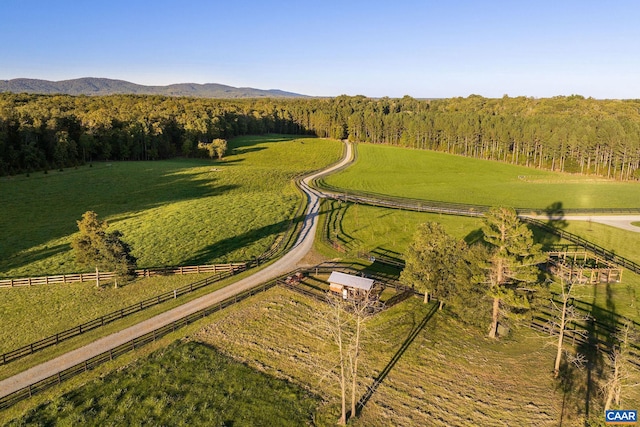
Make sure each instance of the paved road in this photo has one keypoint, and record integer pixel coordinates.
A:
(285, 264)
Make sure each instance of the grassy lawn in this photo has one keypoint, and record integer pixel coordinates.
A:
(186, 384)
(174, 212)
(31, 314)
(361, 228)
(437, 176)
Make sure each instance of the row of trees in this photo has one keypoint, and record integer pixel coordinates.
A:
(570, 134)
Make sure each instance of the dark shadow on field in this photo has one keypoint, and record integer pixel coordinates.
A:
(110, 192)
(555, 215)
(601, 330)
(223, 247)
(243, 150)
(572, 386)
(334, 230)
(476, 236)
(243, 142)
(403, 348)
(34, 256)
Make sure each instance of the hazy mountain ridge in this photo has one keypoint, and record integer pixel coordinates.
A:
(103, 86)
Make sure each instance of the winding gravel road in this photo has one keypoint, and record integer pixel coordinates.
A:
(285, 264)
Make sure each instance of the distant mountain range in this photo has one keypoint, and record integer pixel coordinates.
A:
(101, 86)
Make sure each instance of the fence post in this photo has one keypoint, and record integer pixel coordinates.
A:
(175, 294)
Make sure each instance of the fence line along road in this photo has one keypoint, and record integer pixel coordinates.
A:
(286, 263)
(137, 342)
(98, 322)
(108, 275)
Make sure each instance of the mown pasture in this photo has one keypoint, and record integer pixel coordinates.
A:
(447, 375)
(429, 175)
(31, 314)
(186, 384)
(174, 212)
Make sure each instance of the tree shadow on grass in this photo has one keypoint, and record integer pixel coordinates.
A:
(35, 256)
(223, 247)
(116, 192)
(403, 348)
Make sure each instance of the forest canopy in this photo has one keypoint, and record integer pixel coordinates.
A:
(570, 134)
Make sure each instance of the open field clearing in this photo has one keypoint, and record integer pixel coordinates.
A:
(361, 228)
(448, 375)
(174, 212)
(186, 384)
(429, 175)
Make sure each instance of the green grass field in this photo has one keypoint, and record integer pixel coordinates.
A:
(623, 242)
(448, 375)
(437, 176)
(186, 384)
(361, 228)
(174, 212)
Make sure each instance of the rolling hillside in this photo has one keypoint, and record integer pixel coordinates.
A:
(102, 86)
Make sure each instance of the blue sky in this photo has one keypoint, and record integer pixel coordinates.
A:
(426, 48)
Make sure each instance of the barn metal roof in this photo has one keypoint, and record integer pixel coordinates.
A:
(350, 281)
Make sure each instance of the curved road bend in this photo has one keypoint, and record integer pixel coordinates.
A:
(285, 264)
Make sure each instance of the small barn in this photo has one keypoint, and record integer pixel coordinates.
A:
(349, 286)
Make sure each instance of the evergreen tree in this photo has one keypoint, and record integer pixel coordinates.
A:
(512, 263)
(94, 246)
(435, 262)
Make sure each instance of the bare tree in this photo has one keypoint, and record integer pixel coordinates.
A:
(360, 310)
(619, 362)
(566, 314)
(344, 321)
(336, 321)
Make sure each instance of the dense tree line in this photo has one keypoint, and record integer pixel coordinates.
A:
(571, 134)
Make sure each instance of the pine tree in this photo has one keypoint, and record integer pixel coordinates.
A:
(512, 263)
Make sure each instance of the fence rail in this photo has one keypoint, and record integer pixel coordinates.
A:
(39, 386)
(145, 272)
(596, 249)
(113, 316)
